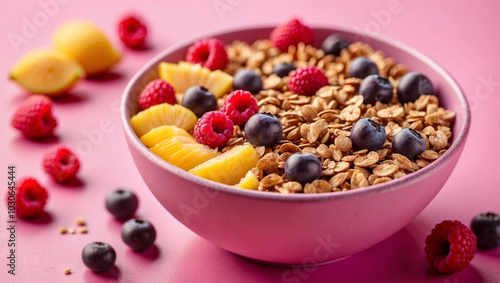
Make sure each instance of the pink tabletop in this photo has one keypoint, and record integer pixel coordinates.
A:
(463, 37)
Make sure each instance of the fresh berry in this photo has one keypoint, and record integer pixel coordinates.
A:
(199, 100)
(303, 168)
(334, 44)
(239, 106)
(99, 256)
(156, 92)
(209, 53)
(132, 32)
(60, 163)
(362, 67)
(450, 246)
(307, 80)
(263, 129)
(247, 80)
(34, 117)
(409, 143)
(375, 88)
(412, 86)
(291, 33)
(367, 134)
(486, 227)
(122, 203)
(30, 198)
(214, 129)
(138, 234)
(283, 69)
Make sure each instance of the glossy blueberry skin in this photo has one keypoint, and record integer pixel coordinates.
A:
(99, 256)
(362, 67)
(199, 100)
(409, 143)
(375, 88)
(412, 86)
(334, 44)
(138, 234)
(303, 168)
(283, 69)
(263, 129)
(486, 226)
(367, 134)
(122, 203)
(247, 80)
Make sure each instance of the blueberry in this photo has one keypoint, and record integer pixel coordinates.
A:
(122, 203)
(283, 69)
(362, 67)
(263, 129)
(409, 143)
(199, 100)
(247, 80)
(367, 134)
(334, 44)
(138, 234)
(303, 168)
(412, 86)
(486, 226)
(376, 88)
(99, 256)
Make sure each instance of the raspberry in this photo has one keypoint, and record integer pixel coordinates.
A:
(450, 246)
(132, 32)
(156, 92)
(239, 106)
(30, 198)
(214, 129)
(291, 33)
(306, 81)
(209, 53)
(34, 117)
(60, 163)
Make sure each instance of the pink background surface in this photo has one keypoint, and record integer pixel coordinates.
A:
(463, 37)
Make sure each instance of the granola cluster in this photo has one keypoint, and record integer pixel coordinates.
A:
(321, 124)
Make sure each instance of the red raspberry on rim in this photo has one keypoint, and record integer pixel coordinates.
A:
(208, 52)
(291, 33)
(34, 117)
(30, 198)
(306, 81)
(60, 163)
(132, 32)
(214, 129)
(239, 106)
(450, 246)
(156, 92)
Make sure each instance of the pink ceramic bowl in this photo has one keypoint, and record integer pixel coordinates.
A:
(301, 228)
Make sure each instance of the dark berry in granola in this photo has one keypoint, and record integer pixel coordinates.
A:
(303, 168)
(199, 100)
(138, 234)
(486, 226)
(409, 143)
(362, 67)
(247, 80)
(98, 256)
(263, 129)
(367, 134)
(376, 88)
(283, 69)
(122, 203)
(334, 44)
(412, 86)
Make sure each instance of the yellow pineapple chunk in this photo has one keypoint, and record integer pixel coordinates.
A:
(249, 182)
(162, 133)
(163, 114)
(230, 166)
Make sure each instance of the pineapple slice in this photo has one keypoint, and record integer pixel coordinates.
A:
(230, 166)
(185, 75)
(249, 182)
(183, 153)
(163, 114)
(162, 133)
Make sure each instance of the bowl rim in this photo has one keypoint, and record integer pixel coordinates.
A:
(399, 183)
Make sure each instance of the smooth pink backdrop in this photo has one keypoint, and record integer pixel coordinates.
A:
(463, 37)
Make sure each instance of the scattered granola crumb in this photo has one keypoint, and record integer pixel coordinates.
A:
(63, 230)
(83, 230)
(67, 271)
(71, 230)
(80, 221)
